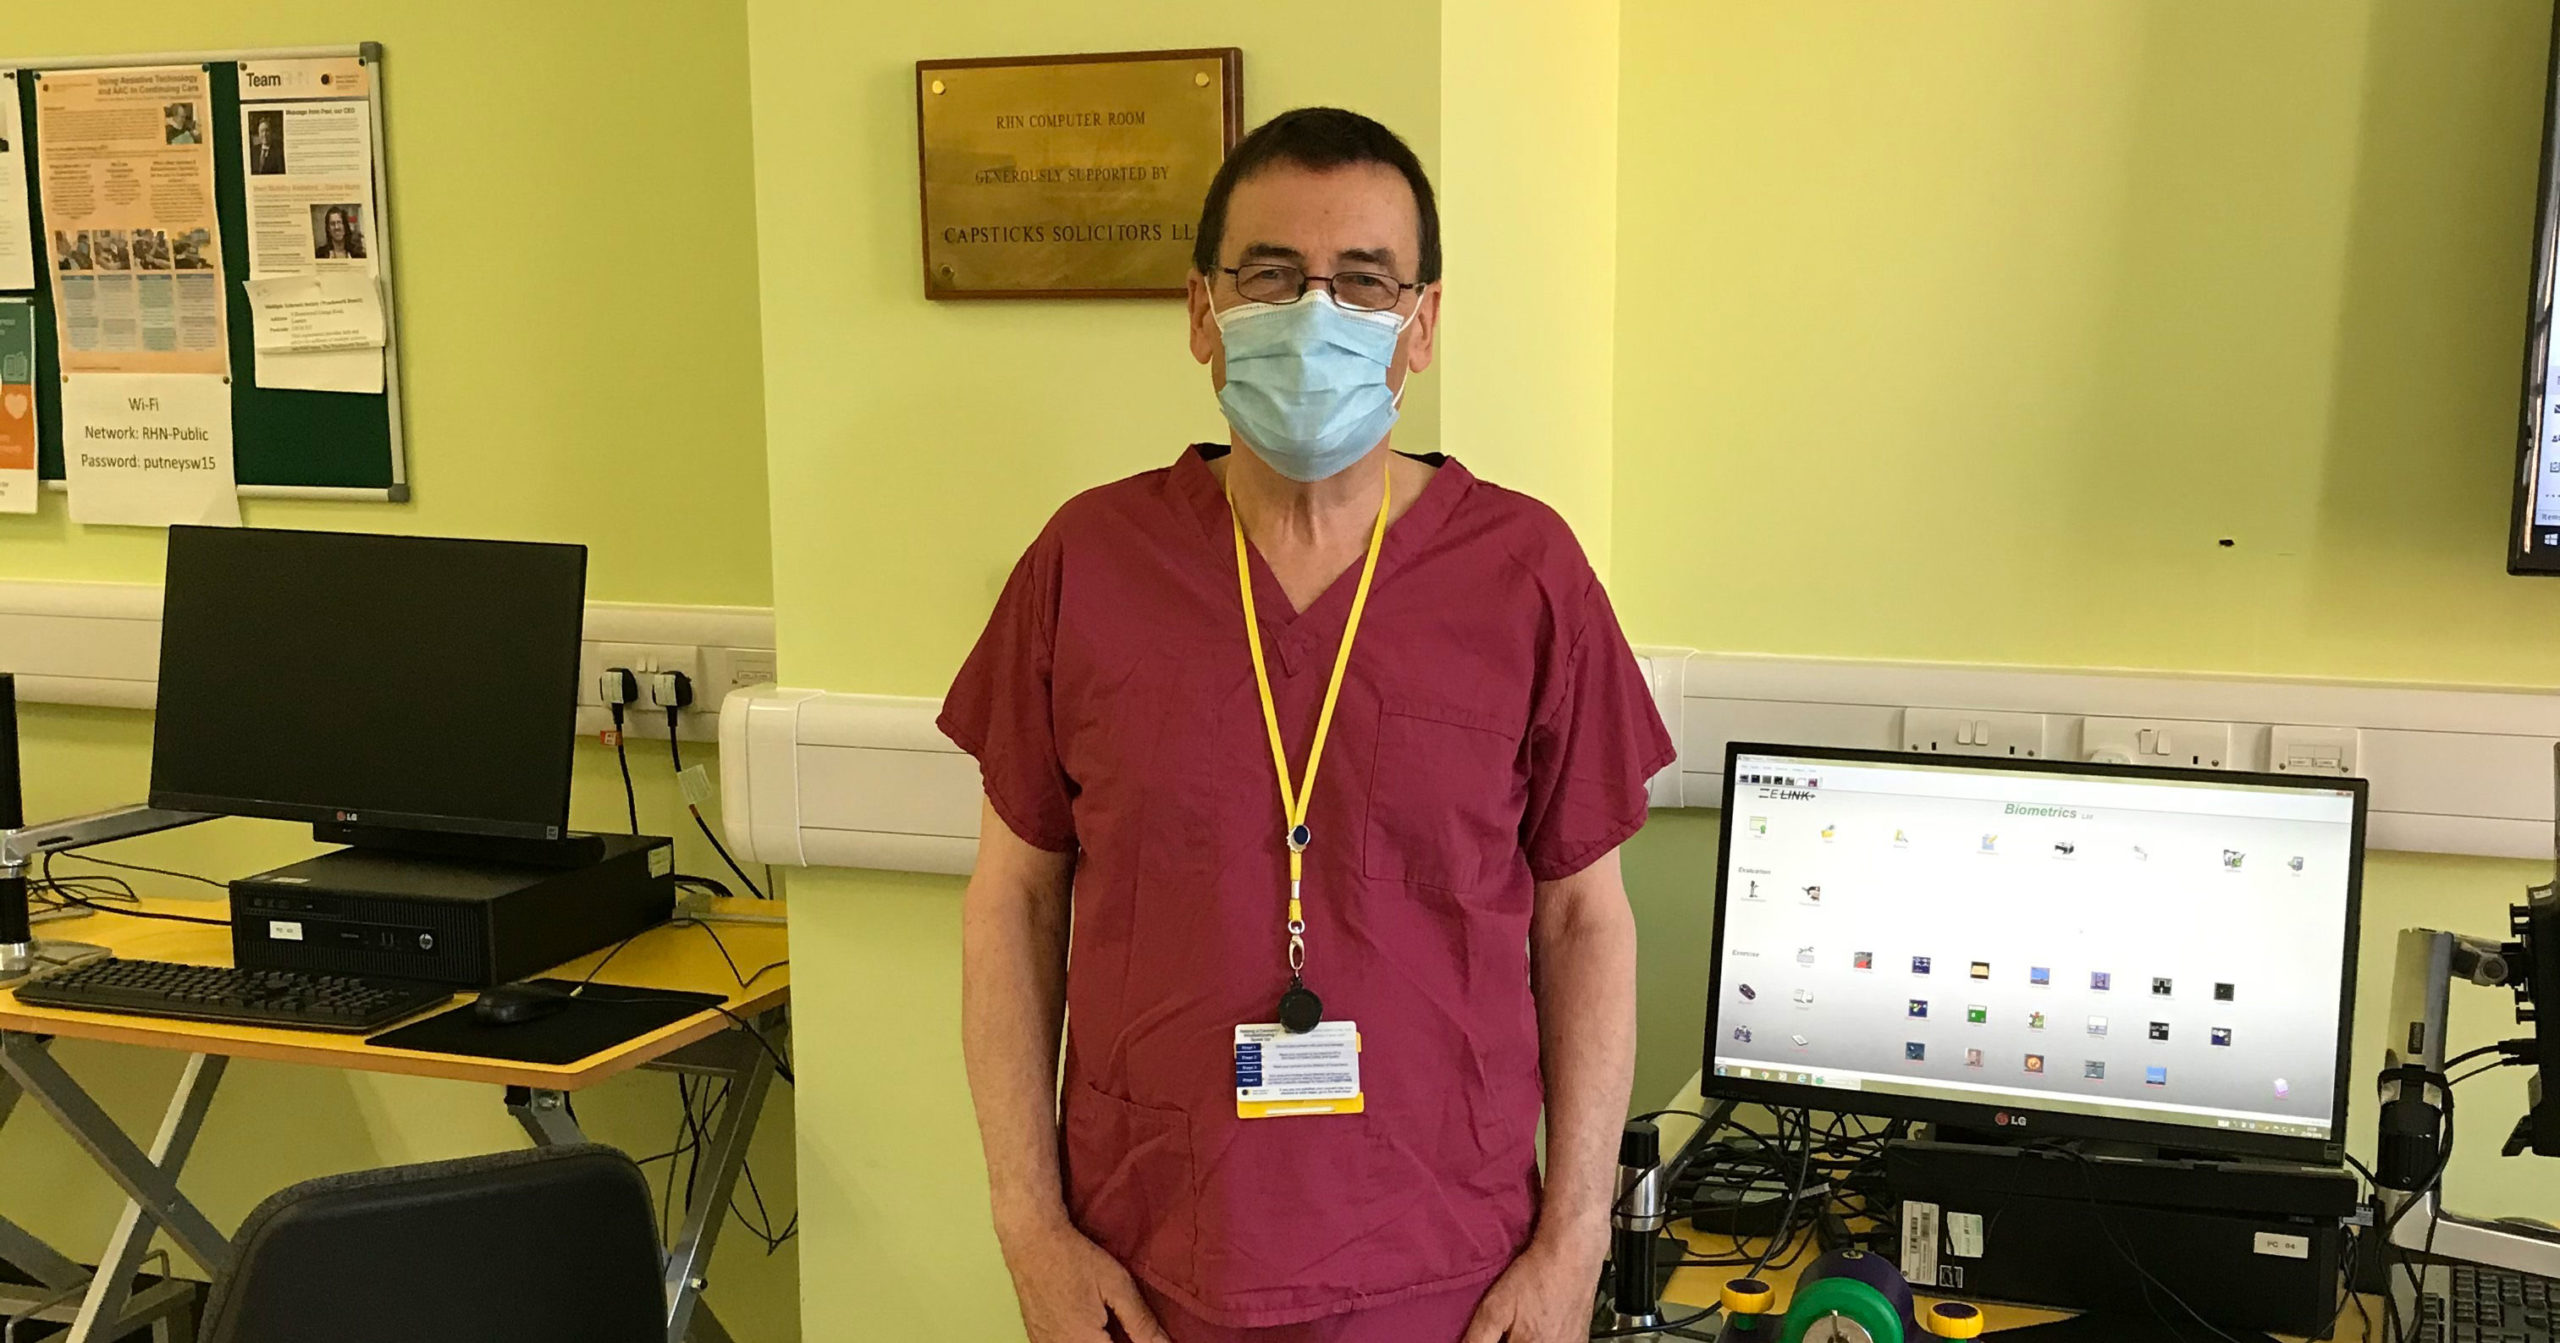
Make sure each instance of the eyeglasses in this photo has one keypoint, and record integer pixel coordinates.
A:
(1270, 282)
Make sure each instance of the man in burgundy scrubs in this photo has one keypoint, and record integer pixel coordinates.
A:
(1313, 1006)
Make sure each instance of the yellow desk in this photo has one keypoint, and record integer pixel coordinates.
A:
(676, 956)
(1691, 1288)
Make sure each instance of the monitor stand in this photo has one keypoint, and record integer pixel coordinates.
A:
(573, 850)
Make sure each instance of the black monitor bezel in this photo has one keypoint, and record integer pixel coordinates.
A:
(2026, 1122)
(2524, 556)
(319, 814)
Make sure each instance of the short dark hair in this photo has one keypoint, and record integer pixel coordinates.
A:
(1319, 139)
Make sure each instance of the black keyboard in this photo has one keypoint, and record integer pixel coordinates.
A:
(2469, 1304)
(286, 999)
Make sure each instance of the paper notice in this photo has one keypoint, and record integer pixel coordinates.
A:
(303, 313)
(17, 406)
(309, 169)
(17, 240)
(125, 162)
(149, 450)
(321, 371)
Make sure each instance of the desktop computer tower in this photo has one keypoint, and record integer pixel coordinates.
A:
(443, 921)
(2247, 1245)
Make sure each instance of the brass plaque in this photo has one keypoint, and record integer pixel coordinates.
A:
(1070, 176)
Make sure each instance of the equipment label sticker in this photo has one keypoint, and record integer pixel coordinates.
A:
(284, 930)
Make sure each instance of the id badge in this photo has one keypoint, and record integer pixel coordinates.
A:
(1279, 1074)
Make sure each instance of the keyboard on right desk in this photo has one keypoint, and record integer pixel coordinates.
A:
(284, 999)
(2465, 1303)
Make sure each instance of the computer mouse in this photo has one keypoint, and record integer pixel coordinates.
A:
(516, 1004)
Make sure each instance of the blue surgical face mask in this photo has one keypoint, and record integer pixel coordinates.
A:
(1307, 381)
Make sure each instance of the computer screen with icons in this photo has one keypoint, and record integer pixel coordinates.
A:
(2037, 948)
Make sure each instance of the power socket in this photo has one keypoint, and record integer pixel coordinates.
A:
(2161, 742)
(642, 719)
(1974, 732)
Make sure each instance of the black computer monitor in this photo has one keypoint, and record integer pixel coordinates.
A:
(392, 682)
(2039, 949)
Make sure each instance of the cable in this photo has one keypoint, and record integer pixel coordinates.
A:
(675, 752)
(69, 893)
(2106, 1225)
(622, 757)
(137, 867)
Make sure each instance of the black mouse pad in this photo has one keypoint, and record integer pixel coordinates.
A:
(603, 1016)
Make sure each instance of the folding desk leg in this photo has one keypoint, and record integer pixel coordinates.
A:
(150, 1179)
(51, 1268)
(689, 1259)
(103, 1311)
(545, 1116)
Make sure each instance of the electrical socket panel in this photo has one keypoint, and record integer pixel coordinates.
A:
(1974, 732)
(730, 669)
(643, 660)
(2329, 751)
(2163, 742)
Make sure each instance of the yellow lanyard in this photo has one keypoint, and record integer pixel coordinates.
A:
(1293, 802)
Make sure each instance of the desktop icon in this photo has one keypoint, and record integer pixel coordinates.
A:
(2283, 1089)
(1804, 997)
(2035, 1063)
(1919, 965)
(2159, 1030)
(1915, 1051)
(2222, 1036)
(1804, 955)
(2141, 854)
(2095, 1070)
(1862, 960)
(1977, 1015)
(2295, 862)
(1990, 843)
(1760, 826)
(2155, 1077)
(1813, 894)
(1748, 993)
(2065, 849)
(1982, 969)
(2100, 981)
(2035, 1021)
(1901, 840)
(2161, 987)
(1830, 831)
(1919, 1007)
(2232, 859)
(2039, 974)
(1973, 1058)
(1753, 893)
(2222, 993)
(1800, 1041)
(2097, 1025)
(1742, 1035)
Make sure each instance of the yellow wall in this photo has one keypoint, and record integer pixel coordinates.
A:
(1967, 331)
(1528, 180)
(915, 450)
(572, 192)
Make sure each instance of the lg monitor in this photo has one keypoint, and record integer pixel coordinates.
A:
(391, 682)
(2034, 949)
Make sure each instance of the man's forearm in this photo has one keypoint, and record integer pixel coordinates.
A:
(1583, 967)
(1013, 963)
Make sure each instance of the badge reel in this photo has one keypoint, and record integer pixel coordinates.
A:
(1300, 1009)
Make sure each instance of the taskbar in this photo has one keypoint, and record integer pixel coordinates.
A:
(2229, 1122)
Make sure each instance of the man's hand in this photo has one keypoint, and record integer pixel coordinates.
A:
(1071, 1290)
(1546, 1296)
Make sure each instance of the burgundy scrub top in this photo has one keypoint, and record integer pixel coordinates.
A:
(1493, 731)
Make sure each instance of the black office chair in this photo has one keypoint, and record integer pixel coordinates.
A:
(556, 1245)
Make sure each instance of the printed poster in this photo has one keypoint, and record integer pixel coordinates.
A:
(17, 239)
(125, 164)
(17, 406)
(306, 151)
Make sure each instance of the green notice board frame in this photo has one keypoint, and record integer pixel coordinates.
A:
(285, 444)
